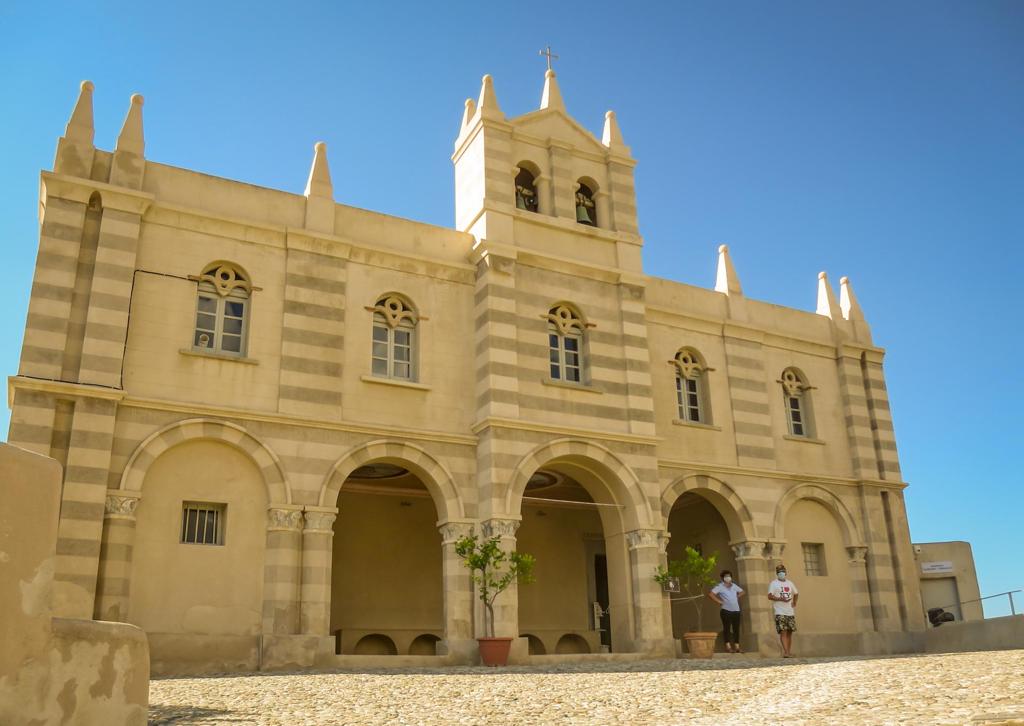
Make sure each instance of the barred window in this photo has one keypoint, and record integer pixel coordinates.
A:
(393, 353)
(691, 382)
(814, 559)
(202, 523)
(222, 310)
(565, 345)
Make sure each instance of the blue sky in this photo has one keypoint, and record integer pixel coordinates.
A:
(878, 140)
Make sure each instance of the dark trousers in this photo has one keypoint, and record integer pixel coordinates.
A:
(730, 626)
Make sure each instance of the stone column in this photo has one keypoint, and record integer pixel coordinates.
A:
(458, 639)
(282, 570)
(317, 552)
(603, 209)
(545, 205)
(506, 607)
(115, 567)
(754, 560)
(650, 634)
(563, 183)
(859, 589)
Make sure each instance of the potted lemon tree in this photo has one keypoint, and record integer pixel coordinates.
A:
(692, 576)
(493, 570)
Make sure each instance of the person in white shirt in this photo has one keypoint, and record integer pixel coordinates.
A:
(783, 594)
(727, 594)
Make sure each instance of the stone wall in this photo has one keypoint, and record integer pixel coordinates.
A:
(55, 670)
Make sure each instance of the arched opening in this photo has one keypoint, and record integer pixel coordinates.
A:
(573, 526)
(526, 187)
(386, 567)
(572, 643)
(586, 205)
(694, 521)
(425, 644)
(200, 535)
(375, 644)
(535, 645)
(817, 562)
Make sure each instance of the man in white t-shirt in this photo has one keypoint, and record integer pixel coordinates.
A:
(727, 594)
(783, 594)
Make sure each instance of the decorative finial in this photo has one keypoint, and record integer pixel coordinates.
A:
(488, 101)
(80, 126)
(827, 304)
(848, 301)
(552, 96)
(131, 137)
(612, 136)
(727, 281)
(548, 54)
(467, 114)
(319, 182)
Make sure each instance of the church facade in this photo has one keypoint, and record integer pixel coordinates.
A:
(277, 414)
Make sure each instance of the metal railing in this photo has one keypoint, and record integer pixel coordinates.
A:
(1009, 594)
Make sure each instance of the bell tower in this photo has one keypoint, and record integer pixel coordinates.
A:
(541, 180)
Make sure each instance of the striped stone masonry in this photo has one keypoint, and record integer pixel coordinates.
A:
(53, 287)
(636, 358)
(623, 194)
(881, 421)
(862, 610)
(646, 550)
(113, 588)
(458, 591)
(83, 503)
(313, 335)
(751, 414)
(853, 393)
(317, 538)
(106, 323)
(495, 339)
(506, 606)
(282, 570)
(563, 184)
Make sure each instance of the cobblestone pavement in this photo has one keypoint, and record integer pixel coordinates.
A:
(960, 688)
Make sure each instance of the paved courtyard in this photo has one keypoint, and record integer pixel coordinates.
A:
(961, 688)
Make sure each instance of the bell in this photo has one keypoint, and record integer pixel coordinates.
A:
(520, 202)
(582, 216)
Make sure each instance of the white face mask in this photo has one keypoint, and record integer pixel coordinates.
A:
(781, 575)
(727, 579)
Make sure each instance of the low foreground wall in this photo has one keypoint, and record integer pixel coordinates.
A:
(1006, 633)
(55, 670)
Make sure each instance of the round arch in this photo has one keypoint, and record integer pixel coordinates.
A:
(434, 475)
(278, 489)
(848, 525)
(721, 496)
(622, 484)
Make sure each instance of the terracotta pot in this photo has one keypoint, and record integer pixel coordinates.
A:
(700, 645)
(494, 651)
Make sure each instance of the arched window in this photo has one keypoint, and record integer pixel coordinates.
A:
(565, 344)
(394, 339)
(796, 394)
(526, 189)
(222, 309)
(586, 207)
(691, 387)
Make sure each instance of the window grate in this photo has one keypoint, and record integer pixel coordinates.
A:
(814, 559)
(202, 523)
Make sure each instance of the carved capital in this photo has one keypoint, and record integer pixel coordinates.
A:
(500, 528)
(320, 522)
(663, 538)
(638, 538)
(857, 555)
(748, 548)
(773, 550)
(284, 519)
(452, 532)
(120, 506)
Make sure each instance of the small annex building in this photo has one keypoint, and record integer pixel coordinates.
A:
(277, 413)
